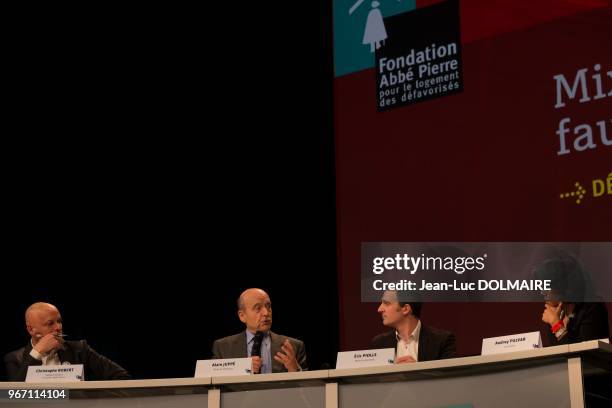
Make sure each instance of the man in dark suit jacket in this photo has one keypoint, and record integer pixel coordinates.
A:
(47, 347)
(277, 353)
(411, 340)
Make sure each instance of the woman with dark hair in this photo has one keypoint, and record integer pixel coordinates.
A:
(571, 319)
(575, 322)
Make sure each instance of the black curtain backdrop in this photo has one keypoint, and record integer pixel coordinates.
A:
(164, 166)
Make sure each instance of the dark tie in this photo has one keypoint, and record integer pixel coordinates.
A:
(256, 349)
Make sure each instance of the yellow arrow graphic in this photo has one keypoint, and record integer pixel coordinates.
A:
(579, 193)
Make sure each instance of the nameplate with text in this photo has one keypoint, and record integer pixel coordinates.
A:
(365, 358)
(223, 367)
(55, 373)
(513, 342)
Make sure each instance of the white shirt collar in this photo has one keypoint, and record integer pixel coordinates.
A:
(414, 335)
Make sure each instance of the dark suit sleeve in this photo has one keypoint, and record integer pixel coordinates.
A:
(384, 340)
(448, 347)
(17, 367)
(216, 350)
(300, 355)
(594, 324)
(375, 343)
(98, 367)
(552, 339)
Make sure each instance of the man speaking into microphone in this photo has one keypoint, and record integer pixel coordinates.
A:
(271, 352)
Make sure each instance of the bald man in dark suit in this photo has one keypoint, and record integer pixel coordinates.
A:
(276, 353)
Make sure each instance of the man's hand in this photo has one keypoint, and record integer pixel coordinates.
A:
(287, 357)
(48, 343)
(256, 365)
(405, 359)
(552, 314)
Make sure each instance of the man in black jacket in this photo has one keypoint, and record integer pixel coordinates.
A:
(47, 347)
(411, 340)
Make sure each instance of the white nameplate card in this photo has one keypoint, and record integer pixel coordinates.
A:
(513, 342)
(223, 367)
(55, 373)
(365, 358)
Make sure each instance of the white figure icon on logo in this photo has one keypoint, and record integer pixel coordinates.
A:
(375, 32)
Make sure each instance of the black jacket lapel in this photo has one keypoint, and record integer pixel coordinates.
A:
(424, 345)
(25, 356)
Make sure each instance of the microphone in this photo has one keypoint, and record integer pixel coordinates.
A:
(256, 349)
